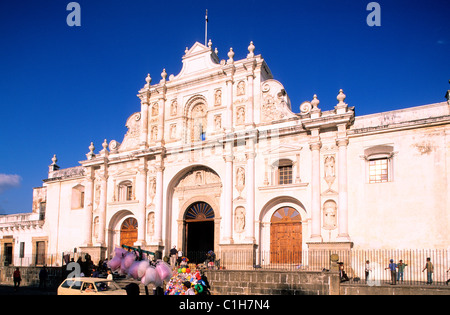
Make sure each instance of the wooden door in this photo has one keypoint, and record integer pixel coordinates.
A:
(128, 232)
(286, 236)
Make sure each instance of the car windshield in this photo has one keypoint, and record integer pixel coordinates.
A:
(106, 286)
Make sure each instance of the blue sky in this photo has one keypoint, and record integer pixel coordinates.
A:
(62, 87)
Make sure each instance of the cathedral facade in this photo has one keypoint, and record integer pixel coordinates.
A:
(215, 159)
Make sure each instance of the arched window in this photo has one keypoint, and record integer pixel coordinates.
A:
(379, 163)
(198, 123)
(196, 119)
(126, 191)
(283, 172)
(78, 197)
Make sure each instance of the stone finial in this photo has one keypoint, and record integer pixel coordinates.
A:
(216, 51)
(164, 75)
(230, 56)
(210, 44)
(148, 79)
(105, 151)
(53, 167)
(251, 49)
(341, 97)
(91, 154)
(315, 102)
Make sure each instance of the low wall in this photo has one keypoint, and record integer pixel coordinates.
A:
(358, 289)
(30, 276)
(262, 282)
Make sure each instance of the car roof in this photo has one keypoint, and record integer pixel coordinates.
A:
(89, 279)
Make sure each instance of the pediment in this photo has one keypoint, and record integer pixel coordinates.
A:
(197, 59)
(282, 148)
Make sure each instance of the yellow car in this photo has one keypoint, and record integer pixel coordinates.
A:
(89, 286)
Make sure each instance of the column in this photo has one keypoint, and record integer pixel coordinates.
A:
(250, 186)
(144, 122)
(316, 235)
(229, 111)
(228, 193)
(88, 206)
(159, 204)
(102, 208)
(161, 111)
(141, 193)
(343, 191)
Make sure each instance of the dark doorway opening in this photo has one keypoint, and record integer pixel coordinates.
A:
(199, 232)
(199, 240)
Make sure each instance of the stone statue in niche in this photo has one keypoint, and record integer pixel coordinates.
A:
(217, 122)
(218, 97)
(330, 170)
(154, 133)
(150, 224)
(155, 109)
(198, 178)
(152, 188)
(174, 108)
(173, 131)
(97, 196)
(240, 179)
(329, 215)
(241, 88)
(240, 116)
(96, 225)
(239, 219)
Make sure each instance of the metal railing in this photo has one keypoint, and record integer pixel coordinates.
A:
(353, 263)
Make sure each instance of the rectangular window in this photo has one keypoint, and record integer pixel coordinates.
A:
(378, 171)
(285, 175)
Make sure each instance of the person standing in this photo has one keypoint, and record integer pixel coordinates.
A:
(430, 268)
(367, 269)
(393, 268)
(173, 256)
(401, 268)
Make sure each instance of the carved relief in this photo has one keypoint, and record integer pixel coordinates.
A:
(276, 104)
(198, 177)
(329, 215)
(131, 139)
(239, 219)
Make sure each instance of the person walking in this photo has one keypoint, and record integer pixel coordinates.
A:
(430, 269)
(43, 278)
(401, 268)
(393, 268)
(17, 279)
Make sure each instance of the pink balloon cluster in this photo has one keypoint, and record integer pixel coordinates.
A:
(125, 262)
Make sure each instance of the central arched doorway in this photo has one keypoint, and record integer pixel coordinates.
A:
(286, 236)
(199, 231)
(129, 232)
